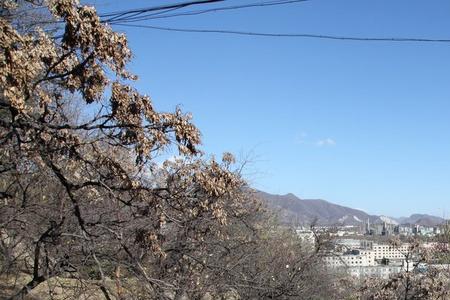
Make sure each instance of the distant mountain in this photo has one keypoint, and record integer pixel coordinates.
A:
(294, 210)
(422, 219)
(304, 211)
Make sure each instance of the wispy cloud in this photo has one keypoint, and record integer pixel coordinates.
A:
(301, 138)
(328, 142)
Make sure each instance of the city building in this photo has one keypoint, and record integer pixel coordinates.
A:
(387, 251)
(379, 271)
(404, 230)
(350, 259)
(367, 258)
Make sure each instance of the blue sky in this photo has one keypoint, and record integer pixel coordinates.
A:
(361, 124)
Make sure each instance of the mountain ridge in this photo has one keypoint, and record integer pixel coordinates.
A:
(293, 209)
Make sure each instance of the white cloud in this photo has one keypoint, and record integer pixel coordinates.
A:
(326, 142)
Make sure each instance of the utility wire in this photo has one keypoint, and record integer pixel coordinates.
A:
(162, 15)
(121, 18)
(155, 10)
(291, 35)
(134, 12)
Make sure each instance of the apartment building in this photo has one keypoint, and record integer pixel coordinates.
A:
(354, 258)
(380, 271)
(390, 252)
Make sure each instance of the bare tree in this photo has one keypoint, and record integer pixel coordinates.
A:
(76, 194)
(84, 207)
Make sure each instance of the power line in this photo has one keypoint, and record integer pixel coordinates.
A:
(124, 15)
(135, 12)
(121, 18)
(292, 35)
(162, 15)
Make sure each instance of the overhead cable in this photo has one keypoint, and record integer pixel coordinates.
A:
(291, 35)
(163, 15)
(108, 17)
